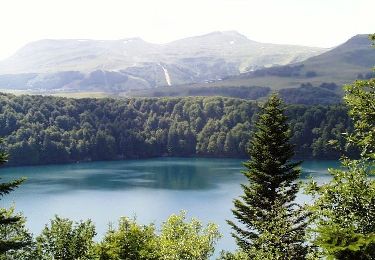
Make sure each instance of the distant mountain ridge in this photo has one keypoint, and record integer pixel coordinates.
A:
(128, 64)
(88, 55)
(316, 80)
(341, 65)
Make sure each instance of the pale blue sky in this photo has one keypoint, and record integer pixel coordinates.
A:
(324, 23)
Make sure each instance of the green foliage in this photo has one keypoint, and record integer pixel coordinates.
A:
(178, 239)
(310, 95)
(360, 98)
(271, 225)
(13, 234)
(344, 213)
(46, 130)
(239, 255)
(65, 240)
(16, 241)
(344, 209)
(245, 92)
(345, 243)
(129, 241)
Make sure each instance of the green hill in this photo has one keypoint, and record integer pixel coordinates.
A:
(317, 80)
(341, 65)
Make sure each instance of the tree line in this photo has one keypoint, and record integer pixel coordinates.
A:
(45, 130)
(63, 239)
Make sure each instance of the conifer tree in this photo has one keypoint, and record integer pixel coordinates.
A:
(12, 240)
(271, 225)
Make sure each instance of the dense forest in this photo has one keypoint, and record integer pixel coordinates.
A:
(304, 94)
(42, 130)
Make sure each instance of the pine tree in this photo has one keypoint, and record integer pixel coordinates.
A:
(9, 241)
(271, 225)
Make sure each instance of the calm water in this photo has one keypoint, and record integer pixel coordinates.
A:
(150, 189)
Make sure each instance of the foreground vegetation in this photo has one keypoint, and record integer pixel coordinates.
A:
(62, 239)
(44, 130)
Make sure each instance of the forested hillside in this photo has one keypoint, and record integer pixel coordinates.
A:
(42, 130)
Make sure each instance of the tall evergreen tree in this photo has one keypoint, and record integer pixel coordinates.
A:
(12, 239)
(271, 225)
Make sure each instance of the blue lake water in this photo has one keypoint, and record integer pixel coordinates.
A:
(149, 189)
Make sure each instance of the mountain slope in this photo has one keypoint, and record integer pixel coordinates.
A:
(341, 65)
(79, 55)
(316, 80)
(122, 65)
(247, 54)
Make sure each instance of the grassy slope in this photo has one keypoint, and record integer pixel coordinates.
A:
(341, 65)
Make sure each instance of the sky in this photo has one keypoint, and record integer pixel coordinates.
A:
(321, 23)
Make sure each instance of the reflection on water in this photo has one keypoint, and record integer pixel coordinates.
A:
(164, 173)
(151, 189)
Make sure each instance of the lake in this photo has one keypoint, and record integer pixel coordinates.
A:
(149, 189)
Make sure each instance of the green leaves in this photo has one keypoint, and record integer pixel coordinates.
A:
(177, 239)
(14, 237)
(344, 212)
(129, 241)
(271, 225)
(341, 242)
(187, 240)
(60, 130)
(344, 209)
(360, 98)
(65, 240)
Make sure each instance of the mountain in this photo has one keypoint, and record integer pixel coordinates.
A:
(316, 80)
(244, 53)
(128, 64)
(340, 65)
(47, 56)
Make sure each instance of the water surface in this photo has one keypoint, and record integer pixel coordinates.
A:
(149, 189)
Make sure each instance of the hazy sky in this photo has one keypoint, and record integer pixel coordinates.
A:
(324, 23)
